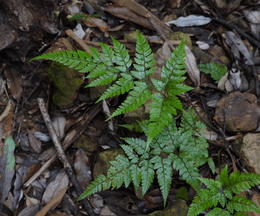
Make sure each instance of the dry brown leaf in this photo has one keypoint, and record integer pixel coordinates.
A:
(96, 22)
(143, 12)
(6, 119)
(35, 143)
(53, 202)
(14, 82)
(59, 184)
(256, 199)
(191, 67)
(82, 169)
(31, 170)
(59, 123)
(30, 201)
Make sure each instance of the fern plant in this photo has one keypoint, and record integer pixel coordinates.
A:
(117, 63)
(168, 147)
(183, 149)
(220, 192)
(215, 70)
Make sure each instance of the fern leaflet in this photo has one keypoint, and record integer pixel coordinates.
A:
(215, 70)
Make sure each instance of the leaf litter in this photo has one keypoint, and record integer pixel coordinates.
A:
(34, 175)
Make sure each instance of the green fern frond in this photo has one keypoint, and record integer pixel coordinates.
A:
(108, 54)
(137, 144)
(138, 96)
(164, 175)
(186, 169)
(122, 57)
(219, 212)
(239, 203)
(74, 59)
(204, 201)
(243, 181)
(109, 76)
(123, 85)
(99, 184)
(147, 175)
(221, 191)
(161, 113)
(143, 58)
(215, 70)
(133, 127)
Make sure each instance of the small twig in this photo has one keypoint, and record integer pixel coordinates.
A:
(154, 24)
(61, 155)
(238, 30)
(73, 135)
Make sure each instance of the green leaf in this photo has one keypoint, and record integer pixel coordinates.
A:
(240, 204)
(215, 70)
(138, 96)
(147, 175)
(77, 17)
(164, 176)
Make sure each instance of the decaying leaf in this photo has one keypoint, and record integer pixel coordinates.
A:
(60, 183)
(53, 202)
(237, 45)
(82, 169)
(254, 18)
(203, 6)
(7, 163)
(59, 123)
(14, 81)
(191, 66)
(234, 78)
(191, 20)
(108, 114)
(7, 117)
(35, 143)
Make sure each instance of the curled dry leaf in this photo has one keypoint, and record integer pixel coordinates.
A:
(191, 66)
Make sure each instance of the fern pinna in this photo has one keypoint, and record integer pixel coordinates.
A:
(115, 66)
(221, 192)
(179, 149)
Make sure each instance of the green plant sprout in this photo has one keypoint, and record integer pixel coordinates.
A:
(168, 147)
(220, 192)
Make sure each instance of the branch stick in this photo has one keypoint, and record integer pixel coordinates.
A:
(61, 155)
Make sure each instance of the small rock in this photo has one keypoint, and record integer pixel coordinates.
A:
(102, 164)
(176, 209)
(238, 112)
(248, 149)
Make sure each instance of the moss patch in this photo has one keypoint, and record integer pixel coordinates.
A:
(67, 82)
